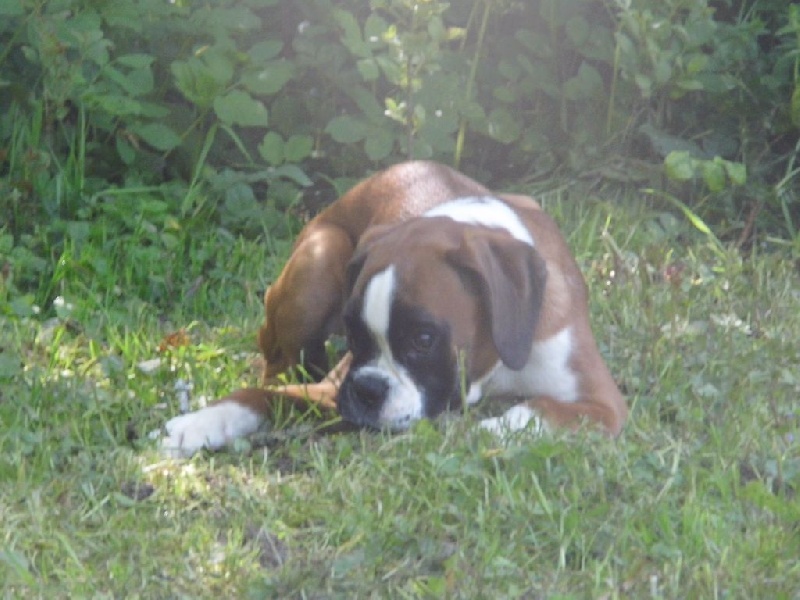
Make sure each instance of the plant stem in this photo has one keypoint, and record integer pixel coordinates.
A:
(462, 128)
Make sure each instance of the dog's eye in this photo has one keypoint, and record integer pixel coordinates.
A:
(423, 340)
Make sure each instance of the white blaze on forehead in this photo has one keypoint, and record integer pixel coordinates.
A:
(486, 211)
(403, 403)
(377, 307)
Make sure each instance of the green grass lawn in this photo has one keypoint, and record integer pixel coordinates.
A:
(697, 499)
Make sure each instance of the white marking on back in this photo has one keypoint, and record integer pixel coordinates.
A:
(547, 372)
(486, 211)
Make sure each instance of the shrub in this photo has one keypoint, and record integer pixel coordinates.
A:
(227, 111)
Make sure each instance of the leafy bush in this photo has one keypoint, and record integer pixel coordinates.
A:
(716, 82)
(228, 111)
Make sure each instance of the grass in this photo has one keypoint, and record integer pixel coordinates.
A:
(697, 499)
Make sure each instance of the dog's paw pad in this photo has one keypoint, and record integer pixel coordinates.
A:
(212, 427)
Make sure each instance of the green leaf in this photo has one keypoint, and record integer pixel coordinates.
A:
(696, 63)
(219, 64)
(23, 306)
(136, 82)
(584, 84)
(114, 104)
(298, 147)
(346, 129)
(152, 110)
(271, 148)
(473, 112)
(577, 29)
(737, 172)
(663, 71)
(502, 126)
(456, 33)
(686, 85)
(436, 29)
(420, 149)
(379, 144)
(269, 78)
(98, 49)
(374, 29)
(264, 51)
(196, 81)
(125, 150)
(665, 143)
(241, 204)
(438, 130)
(644, 83)
(10, 365)
(136, 61)
(184, 78)
(366, 102)
(351, 33)
(714, 175)
(368, 69)
(239, 108)
(679, 165)
(392, 69)
(139, 82)
(293, 173)
(158, 135)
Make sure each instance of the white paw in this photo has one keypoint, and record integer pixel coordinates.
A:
(212, 427)
(515, 419)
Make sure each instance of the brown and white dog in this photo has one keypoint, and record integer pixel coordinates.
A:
(447, 292)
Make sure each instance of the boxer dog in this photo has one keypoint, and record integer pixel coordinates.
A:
(447, 293)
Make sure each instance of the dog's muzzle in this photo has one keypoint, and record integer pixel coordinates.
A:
(361, 398)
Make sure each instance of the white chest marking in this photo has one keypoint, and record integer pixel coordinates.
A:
(547, 372)
(486, 211)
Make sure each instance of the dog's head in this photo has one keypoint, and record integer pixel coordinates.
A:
(433, 304)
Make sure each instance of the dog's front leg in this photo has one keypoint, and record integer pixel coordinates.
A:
(242, 412)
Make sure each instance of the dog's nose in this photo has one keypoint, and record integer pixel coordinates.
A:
(369, 389)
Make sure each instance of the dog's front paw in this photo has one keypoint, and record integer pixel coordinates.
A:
(212, 427)
(514, 419)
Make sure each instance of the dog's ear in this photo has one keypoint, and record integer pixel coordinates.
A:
(510, 276)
